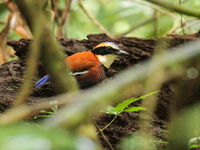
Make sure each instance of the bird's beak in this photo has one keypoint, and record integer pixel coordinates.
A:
(122, 52)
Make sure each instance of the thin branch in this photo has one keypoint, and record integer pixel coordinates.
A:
(139, 26)
(174, 7)
(3, 39)
(173, 30)
(155, 27)
(104, 137)
(63, 19)
(93, 19)
(55, 10)
(17, 22)
(164, 12)
(182, 25)
(109, 123)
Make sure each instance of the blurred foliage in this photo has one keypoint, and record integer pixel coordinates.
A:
(184, 129)
(117, 17)
(27, 136)
(138, 141)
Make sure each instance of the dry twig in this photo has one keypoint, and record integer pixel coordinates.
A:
(55, 10)
(3, 39)
(93, 19)
(173, 30)
(17, 23)
(139, 26)
(104, 137)
(182, 25)
(63, 19)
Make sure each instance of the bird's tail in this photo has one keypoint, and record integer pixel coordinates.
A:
(42, 80)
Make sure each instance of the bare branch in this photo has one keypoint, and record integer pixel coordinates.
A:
(93, 19)
(182, 25)
(104, 137)
(55, 10)
(63, 18)
(174, 7)
(164, 12)
(139, 26)
(3, 39)
(173, 30)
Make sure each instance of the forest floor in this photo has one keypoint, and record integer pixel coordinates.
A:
(11, 77)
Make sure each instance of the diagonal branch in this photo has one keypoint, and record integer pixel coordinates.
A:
(63, 19)
(177, 8)
(93, 19)
(139, 26)
(155, 7)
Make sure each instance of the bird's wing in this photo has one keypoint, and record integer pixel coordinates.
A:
(79, 63)
(47, 77)
(79, 73)
(42, 80)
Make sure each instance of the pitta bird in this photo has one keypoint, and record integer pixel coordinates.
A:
(88, 66)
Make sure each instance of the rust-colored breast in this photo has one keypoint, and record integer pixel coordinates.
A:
(86, 61)
(82, 61)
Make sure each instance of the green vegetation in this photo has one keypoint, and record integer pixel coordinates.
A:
(73, 126)
(124, 106)
(118, 17)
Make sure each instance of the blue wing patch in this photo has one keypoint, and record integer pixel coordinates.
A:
(46, 78)
(42, 80)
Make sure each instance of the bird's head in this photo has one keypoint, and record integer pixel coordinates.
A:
(107, 52)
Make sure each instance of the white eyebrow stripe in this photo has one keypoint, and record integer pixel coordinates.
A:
(79, 73)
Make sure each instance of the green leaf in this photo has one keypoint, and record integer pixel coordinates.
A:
(194, 142)
(134, 109)
(110, 110)
(194, 146)
(121, 106)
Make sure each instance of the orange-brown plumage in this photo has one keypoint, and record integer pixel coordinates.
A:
(86, 61)
(87, 66)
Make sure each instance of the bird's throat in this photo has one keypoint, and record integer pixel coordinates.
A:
(107, 60)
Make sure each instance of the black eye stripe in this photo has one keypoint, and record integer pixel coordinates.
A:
(104, 50)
